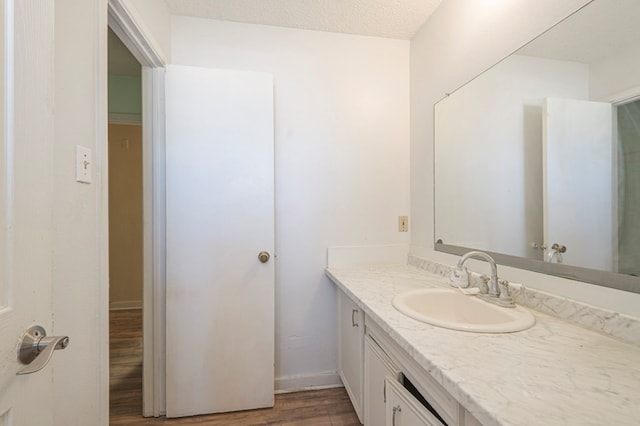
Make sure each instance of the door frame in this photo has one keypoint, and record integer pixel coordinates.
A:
(616, 100)
(123, 23)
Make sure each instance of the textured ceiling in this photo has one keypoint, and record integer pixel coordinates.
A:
(398, 19)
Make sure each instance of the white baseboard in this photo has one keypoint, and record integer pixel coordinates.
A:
(324, 380)
(367, 255)
(115, 118)
(125, 304)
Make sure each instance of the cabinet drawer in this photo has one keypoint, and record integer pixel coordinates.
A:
(403, 409)
(438, 397)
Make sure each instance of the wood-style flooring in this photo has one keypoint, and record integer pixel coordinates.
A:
(328, 407)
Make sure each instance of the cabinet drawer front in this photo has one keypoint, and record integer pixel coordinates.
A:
(375, 350)
(441, 400)
(402, 409)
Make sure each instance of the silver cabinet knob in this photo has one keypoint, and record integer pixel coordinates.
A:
(264, 256)
(36, 349)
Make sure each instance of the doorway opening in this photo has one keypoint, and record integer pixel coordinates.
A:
(628, 131)
(125, 229)
(127, 30)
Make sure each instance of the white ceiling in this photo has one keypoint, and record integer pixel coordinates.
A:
(399, 19)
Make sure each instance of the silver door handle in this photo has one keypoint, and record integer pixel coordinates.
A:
(36, 349)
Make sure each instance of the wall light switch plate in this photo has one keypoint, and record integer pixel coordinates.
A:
(84, 164)
(403, 223)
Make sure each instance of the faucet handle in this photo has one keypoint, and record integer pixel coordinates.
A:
(505, 290)
(505, 299)
(459, 277)
(484, 286)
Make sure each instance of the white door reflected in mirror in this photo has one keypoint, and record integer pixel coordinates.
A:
(578, 156)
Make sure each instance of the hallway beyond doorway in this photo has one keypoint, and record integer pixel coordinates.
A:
(329, 407)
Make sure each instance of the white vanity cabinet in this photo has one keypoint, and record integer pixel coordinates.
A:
(350, 349)
(469, 420)
(402, 409)
(380, 376)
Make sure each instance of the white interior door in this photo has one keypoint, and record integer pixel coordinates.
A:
(220, 216)
(578, 155)
(26, 200)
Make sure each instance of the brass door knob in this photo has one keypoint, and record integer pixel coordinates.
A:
(264, 256)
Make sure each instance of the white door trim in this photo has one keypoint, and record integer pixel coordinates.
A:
(139, 42)
(154, 242)
(124, 24)
(102, 158)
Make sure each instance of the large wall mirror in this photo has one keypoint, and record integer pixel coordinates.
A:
(537, 160)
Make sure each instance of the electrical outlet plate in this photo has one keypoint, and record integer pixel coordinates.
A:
(403, 223)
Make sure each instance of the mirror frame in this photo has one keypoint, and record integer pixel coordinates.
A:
(613, 280)
(608, 279)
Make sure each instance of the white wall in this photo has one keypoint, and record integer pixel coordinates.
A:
(341, 158)
(81, 372)
(489, 159)
(125, 94)
(461, 40)
(155, 22)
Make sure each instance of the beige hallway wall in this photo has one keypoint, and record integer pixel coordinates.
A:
(125, 215)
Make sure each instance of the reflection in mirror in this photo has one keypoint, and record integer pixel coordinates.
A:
(3, 165)
(537, 160)
(629, 188)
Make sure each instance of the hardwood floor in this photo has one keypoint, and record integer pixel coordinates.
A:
(125, 363)
(328, 407)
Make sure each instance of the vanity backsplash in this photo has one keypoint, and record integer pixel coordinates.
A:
(618, 325)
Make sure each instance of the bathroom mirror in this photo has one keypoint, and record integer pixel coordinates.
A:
(3, 150)
(537, 160)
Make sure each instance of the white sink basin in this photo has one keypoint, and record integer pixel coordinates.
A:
(452, 309)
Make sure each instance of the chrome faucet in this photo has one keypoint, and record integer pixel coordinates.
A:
(493, 283)
(494, 294)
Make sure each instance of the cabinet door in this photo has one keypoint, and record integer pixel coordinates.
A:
(469, 420)
(402, 409)
(377, 366)
(350, 349)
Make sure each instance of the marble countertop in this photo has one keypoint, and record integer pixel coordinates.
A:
(554, 373)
